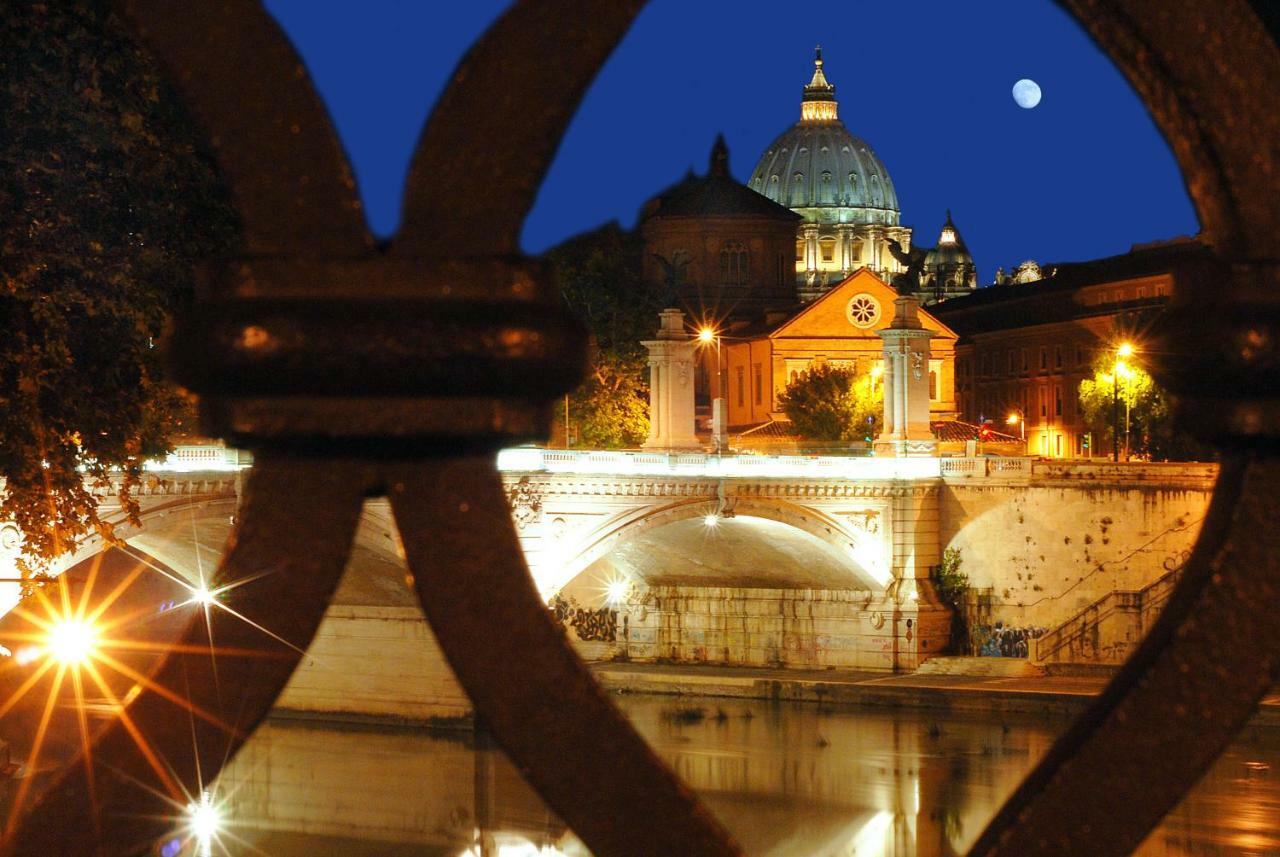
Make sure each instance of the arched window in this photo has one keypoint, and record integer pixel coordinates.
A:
(733, 263)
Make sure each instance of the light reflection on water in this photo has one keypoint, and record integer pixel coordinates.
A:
(787, 779)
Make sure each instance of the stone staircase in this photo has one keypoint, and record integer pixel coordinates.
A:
(980, 667)
(1108, 630)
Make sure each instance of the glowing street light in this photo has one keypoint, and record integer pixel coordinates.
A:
(719, 404)
(615, 591)
(1018, 418)
(1123, 350)
(71, 641)
(203, 596)
(711, 519)
(204, 822)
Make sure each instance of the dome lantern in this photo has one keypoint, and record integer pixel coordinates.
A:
(819, 101)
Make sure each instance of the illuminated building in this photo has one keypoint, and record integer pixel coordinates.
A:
(840, 188)
(1026, 346)
(839, 328)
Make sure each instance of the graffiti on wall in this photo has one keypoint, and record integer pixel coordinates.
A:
(588, 624)
(1003, 641)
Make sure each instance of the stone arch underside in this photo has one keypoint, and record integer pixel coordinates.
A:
(764, 544)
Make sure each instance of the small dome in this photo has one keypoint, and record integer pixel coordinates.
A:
(818, 165)
(951, 252)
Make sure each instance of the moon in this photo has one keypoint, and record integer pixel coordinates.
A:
(1026, 93)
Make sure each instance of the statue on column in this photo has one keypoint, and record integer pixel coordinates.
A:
(908, 282)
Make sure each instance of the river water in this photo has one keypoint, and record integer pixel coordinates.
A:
(786, 778)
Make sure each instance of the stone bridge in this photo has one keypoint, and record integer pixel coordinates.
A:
(753, 560)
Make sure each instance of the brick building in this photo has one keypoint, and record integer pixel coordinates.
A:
(1024, 348)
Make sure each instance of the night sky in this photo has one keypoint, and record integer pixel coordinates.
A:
(927, 84)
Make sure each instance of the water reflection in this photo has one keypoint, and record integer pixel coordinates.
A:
(786, 779)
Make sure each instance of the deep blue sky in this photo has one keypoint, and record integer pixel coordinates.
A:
(927, 84)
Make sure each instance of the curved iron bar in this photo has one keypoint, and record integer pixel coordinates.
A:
(548, 713)
(278, 380)
(272, 137)
(492, 135)
(1226, 189)
(291, 553)
(1198, 676)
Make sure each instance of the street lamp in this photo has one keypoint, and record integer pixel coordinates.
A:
(1020, 419)
(719, 402)
(1125, 349)
(876, 371)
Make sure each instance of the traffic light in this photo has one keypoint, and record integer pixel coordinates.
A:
(1087, 442)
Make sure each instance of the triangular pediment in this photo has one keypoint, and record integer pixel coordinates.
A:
(855, 308)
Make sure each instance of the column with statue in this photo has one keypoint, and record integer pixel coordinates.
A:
(671, 385)
(906, 367)
(922, 624)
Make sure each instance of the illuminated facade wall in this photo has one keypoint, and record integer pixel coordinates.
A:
(839, 328)
(1025, 348)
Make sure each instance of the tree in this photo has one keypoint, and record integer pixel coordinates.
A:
(599, 277)
(1143, 404)
(109, 207)
(828, 402)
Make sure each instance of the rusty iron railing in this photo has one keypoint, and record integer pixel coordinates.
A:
(353, 370)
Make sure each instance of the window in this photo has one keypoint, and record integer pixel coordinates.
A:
(759, 380)
(1142, 292)
(1024, 360)
(1079, 354)
(1057, 401)
(1044, 358)
(1057, 356)
(933, 386)
(733, 263)
(1044, 407)
(741, 375)
(828, 246)
(799, 251)
(1011, 362)
(1058, 445)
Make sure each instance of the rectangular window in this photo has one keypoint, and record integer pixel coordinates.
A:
(741, 375)
(1044, 358)
(1024, 360)
(1010, 362)
(1044, 407)
(1058, 444)
(1079, 355)
(1057, 356)
(1057, 401)
(759, 379)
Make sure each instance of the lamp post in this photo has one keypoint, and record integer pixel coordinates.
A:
(719, 414)
(1019, 417)
(1124, 350)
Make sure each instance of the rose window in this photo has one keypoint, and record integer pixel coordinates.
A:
(863, 311)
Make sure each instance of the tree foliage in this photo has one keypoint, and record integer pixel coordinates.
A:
(828, 402)
(599, 278)
(109, 206)
(952, 585)
(1143, 403)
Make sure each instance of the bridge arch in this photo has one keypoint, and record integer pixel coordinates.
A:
(840, 556)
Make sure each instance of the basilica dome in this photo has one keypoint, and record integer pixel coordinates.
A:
(822, 171)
